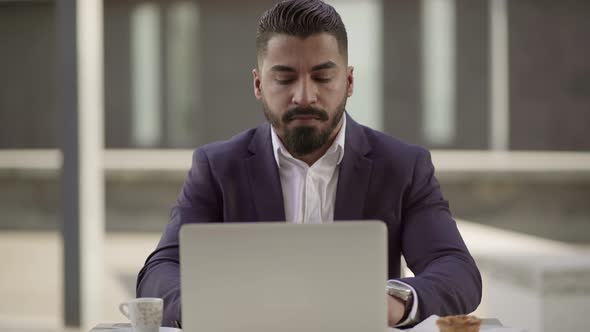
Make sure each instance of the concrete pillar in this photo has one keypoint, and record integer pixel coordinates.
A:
(80, 70)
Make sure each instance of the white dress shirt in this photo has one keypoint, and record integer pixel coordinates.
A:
(309, 192)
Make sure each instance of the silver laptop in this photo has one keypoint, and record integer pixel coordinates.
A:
(280, 277)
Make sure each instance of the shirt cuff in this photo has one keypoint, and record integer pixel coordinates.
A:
(413, 316)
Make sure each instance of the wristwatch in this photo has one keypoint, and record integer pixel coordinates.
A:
(401, 292)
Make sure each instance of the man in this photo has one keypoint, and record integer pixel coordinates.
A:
(314, 164)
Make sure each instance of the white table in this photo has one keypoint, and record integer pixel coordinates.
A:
(428, 325)
(125, 327)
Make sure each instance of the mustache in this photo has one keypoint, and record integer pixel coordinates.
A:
(299, 111)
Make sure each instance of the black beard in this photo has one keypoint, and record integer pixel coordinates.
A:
(304, 140)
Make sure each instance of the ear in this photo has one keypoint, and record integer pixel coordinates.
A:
(256, 82)
(350, 80)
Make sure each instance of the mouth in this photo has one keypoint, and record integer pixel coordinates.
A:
(305, 118)
(305, 115)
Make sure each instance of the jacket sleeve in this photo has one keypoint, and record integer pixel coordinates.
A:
(447, 280)
(199, 201)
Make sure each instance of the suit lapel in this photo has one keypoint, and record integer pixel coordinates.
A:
(264, 177)
(355, 174)
(353, 179)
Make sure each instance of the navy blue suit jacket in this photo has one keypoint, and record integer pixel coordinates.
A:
(380, 178)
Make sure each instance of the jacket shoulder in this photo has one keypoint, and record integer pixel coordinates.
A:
(385, 146)
(233, 148)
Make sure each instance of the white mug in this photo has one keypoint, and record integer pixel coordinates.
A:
(145, 313)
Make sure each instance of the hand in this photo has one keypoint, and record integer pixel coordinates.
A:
(395, 310)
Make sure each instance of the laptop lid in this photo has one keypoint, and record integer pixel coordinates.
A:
(270, 277)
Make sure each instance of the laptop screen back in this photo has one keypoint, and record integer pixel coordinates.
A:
(269, 277)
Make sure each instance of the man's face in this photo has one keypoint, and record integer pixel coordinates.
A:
(303, 85)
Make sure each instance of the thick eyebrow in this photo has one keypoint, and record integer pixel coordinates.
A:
(322, 66)
(325, 65)
(282, 68)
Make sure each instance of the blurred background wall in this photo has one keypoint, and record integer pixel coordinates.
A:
(202, 52)
(178, 75)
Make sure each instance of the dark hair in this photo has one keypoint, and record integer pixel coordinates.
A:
(300, 18)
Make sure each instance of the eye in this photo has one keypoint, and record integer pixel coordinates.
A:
(284, 81)
(322, 79)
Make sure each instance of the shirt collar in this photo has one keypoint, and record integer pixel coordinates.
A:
(336, 147)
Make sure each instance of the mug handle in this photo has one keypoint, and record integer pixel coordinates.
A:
(124, 309)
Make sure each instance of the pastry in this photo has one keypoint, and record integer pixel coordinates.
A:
(461, 323)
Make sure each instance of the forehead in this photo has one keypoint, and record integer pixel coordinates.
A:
(300, 52)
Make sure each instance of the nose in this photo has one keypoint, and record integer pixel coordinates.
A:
(305, 93)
